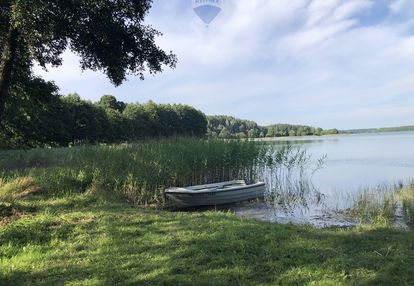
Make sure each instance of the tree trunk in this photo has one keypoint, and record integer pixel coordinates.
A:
(6, 68)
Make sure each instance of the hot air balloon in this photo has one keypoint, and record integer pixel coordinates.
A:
(207, 10)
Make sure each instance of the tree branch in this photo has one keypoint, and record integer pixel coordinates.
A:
(6, 67)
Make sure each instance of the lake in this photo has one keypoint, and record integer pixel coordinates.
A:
(353, 163)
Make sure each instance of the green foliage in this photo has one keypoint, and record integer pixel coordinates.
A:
(139, 172)
(70, 241)
(43, 118)
(281, 130)
(375, 206)
(35, 114)
(109, 102)
(84, 120)
(330, 131)
(229, 127)
(406, 195)
(108, 35)
(66, 221)
(385, 205)
(383, 129)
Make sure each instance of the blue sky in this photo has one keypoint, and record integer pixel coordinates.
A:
(327, 63)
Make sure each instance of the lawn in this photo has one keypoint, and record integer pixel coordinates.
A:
(71, 217)
(81, 240)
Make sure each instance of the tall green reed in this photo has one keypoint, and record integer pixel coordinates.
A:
(385, 204)
(375, 205)
(288, 171)
(139, 172)
(406, 197)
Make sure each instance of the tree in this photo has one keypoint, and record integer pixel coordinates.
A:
(108, 35)
(270, 132)
(251, 133)
(224, 133)
(318, 131)
(234, 126)
(86, 121)
(35, 116)
(191, 121)
(138, 121)
(117, 130)
(109, 102)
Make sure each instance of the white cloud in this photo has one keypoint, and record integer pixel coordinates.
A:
(350, 8)
(398, 5)
(298, 61)
(319, 10)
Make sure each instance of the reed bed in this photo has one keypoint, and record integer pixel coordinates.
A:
(406, 197)
(138, 172)
(386, 204)
(375, 205)
(288, 174)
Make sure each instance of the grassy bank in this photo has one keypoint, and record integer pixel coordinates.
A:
(67, 217)
(138, 172)
(80, 240)
(385, 205)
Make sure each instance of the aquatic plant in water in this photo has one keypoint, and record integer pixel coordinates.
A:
(288, 176)
(406, 198)
(138, 172)
(384, 204)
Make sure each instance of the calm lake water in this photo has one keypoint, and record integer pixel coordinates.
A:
(353, 163)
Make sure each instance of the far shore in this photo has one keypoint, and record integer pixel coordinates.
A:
(310, 137)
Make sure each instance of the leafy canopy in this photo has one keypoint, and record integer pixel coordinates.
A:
(108, 35)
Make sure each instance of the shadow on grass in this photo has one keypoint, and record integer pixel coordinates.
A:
(125, 246)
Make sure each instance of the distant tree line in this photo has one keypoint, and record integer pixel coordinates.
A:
(222, 126)
(37, 116)
(378, 130)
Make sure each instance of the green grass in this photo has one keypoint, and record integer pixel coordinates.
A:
(80, 240)
(406, 195)
(375, 205)
(70, 217)
(139, 172)
(384, 205)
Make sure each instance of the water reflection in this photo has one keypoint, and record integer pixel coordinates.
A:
(289, 188)
(298, 141)
(339, 190)
(354, 164)
(291, 195)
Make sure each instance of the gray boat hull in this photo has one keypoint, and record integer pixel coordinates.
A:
(182, 198)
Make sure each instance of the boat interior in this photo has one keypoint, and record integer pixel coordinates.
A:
(222, 185)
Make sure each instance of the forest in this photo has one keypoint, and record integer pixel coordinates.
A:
(222, 126)
(40, 117)
(378, 130)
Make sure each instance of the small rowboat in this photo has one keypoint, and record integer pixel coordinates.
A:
(214, 194)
